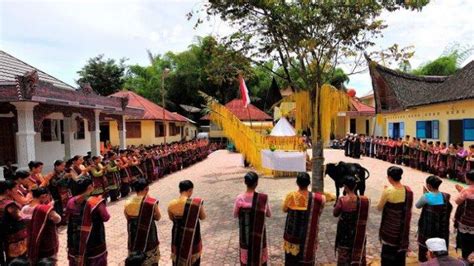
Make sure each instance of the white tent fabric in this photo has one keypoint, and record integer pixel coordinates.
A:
(283, 129)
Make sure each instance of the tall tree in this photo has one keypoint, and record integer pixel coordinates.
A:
(105, 76)
(309, 37)
(206, 65)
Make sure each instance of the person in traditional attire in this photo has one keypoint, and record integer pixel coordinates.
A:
(113, 176)
(36, 176)
(125, 174)
(13, 236)
(470, 159)
(9, 170)
(21, 194)
(186, 212)
(451, 161)
(251, 208)
(406, 151)
(58, 185)
(98, 170)
(442, 160)
(85, 231)
(134, 161)
(346, 145)
(303, 210)
(141, 212)
(395, 203)
(435, 215)
(356, 149)
(41, 222)
(353, 213)
(464, 217)
(460, 165)
(422, 155)
(438, 254)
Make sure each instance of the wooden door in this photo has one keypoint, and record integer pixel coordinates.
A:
(455, 131)
(7, 139)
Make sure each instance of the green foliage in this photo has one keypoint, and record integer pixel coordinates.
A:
(448, 63)
(207, 66)
(306, 38)
(442, 66)
(105, 76)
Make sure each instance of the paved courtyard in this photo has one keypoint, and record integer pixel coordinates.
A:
(218, 180)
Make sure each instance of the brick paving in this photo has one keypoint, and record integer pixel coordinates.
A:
(218, 180)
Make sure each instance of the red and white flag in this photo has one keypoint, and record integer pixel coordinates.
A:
(244, 91)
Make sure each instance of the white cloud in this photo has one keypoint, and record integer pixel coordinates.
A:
(58, 36)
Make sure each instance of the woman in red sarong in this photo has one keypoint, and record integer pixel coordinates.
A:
(451, 162)
(251, 208)
(303, 210)
(442, 161)
(41, 222)
(353, 213)
(186, 213)
(86, 232)
(13, 236)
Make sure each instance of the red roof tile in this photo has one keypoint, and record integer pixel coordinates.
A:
(360, 107)
(237, 107)
(152, 111)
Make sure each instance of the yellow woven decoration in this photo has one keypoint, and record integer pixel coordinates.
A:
(332, 101)
(247, 141)
(250, 143)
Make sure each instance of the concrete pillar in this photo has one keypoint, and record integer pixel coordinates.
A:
(25, 137)
(122, 133)
(68, 134)
(95, 135)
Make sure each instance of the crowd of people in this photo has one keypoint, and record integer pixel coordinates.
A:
(451, 161)
(75, 193)
(29, 218)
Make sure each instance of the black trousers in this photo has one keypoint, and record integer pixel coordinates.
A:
(466, 243)
(392, 256)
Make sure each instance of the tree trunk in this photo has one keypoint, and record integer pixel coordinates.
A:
(317, 149)
(317, 166)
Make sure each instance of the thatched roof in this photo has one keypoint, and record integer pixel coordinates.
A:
(395, 91)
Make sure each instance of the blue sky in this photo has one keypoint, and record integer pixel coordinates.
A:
(58, 36)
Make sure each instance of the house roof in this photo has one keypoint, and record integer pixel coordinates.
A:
(152, 111)
(395, 91)
(10, 67)
(251, 113)
(361, 107)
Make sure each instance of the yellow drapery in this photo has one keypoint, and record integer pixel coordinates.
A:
(250, 143)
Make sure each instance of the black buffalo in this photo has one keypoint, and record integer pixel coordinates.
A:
(338, 171)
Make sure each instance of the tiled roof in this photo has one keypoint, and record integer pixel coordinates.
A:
(359, 108)
(10, 67)
(152, 111)
(237, 107)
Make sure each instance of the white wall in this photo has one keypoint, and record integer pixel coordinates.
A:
(50, 151)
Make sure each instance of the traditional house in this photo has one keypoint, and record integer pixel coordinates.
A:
(46, 119)
(250, 115)
(427, 107)
(359, 119)
(155, 126)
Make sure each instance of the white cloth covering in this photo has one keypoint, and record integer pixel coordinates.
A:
(283, 129)
(284, 161)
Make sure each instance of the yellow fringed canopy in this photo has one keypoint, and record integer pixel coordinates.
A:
(246, 140)
(250, 143)
(332, 101)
